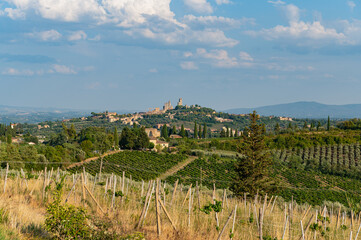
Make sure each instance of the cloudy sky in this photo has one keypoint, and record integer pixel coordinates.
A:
(136, 54)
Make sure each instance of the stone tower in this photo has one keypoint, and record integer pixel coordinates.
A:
(180, 102)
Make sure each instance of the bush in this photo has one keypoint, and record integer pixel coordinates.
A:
(66, 221)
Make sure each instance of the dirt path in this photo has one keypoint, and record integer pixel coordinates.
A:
(92, 159)
(176, 168)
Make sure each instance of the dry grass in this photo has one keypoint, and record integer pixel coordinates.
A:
(27, 213)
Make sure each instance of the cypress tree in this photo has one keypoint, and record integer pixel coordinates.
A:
(277, 128)
(200, 131)
(182, 132)
(318, 125)
(223, 133)
(236, 133)
(174, 130)
(116, 138)
(305, 126)
(253, 168)
(227, 132)
(204, 130)
(328, 123)
(195, 130)
(164, 132)
(231, 133)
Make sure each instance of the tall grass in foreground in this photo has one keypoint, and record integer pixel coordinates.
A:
(122, 201)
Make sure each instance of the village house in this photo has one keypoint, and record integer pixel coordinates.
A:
(286, 119)
(160, 143)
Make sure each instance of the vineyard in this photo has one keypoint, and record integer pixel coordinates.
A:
(207, 171)
(139, 165)
(294, 178)
(343, 160)
(300, 173)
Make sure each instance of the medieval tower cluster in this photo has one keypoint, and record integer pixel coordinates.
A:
(180, 102)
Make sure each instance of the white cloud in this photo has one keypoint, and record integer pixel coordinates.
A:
(299, 29)
(16, 72)
(64, 10)
(96, 38)
(216, 21)
(62, 69)
(188, 54)
(245, 56)
(14, 13)
(132, 12)
(153, 70)
(78, 35)
(219, 58)
(292, 12)
(351, 30)
(151, 19)
(220, 2)
(277, 2)
(213, 37)
(188, 66)
(125, 12)
(200, 6)
(287, 67)
(351, 5)
(50, 35)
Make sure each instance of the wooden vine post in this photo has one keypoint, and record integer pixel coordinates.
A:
(174, 192)
(44, 185)
(145, 204)
(157, 208)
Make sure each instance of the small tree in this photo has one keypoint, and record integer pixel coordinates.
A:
(174, 130)
(195, 130)
(182, 132)
(223, 133)
(204, 130)
(328, 123)
(277, 128)
(200, 131)
(236, 133)
(164, 132)
(305, 126)
(253, 168)
(116, 138)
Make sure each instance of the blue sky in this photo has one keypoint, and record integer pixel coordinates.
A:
(136, 54)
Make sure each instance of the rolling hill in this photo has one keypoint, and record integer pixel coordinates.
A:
(305, 110)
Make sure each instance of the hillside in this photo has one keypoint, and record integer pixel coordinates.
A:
(304, 110)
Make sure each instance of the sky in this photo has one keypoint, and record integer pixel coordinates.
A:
(138, 54)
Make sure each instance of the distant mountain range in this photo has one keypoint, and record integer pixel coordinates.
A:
(305, 110)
